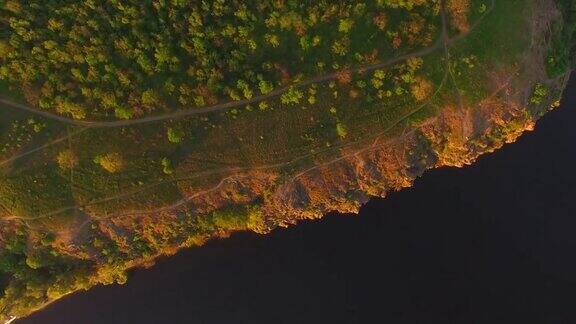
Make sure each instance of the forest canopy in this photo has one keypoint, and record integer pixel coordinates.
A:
(126, 59)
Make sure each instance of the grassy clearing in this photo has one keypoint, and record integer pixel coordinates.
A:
(562, 53)
(30, 195)
(501, 36)
(498, 42)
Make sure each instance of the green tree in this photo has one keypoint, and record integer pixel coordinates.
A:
(111, 162)
(292, 96)
(175, 134)
(341, 130)
(67, 159)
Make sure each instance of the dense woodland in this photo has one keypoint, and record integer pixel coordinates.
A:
(129, 58)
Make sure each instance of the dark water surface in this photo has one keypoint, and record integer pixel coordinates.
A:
(491, 243)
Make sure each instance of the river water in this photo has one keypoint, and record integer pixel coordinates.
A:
(490, 243)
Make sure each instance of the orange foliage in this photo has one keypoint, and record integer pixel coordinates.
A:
(396, 42)
(344, 77)
(381, 21)
(205, 93)
(67, 159)
(422, 88)
(353, 94)
(414, 28)
(372, 57)
(283, 72)
(458, 10)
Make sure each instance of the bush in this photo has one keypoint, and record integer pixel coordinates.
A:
(67, 160)
(111, 162)
(341, 130)
(256, 221)
(540, 92)
(292, 96)
(232, 219)
(167, 166)
(175, 135)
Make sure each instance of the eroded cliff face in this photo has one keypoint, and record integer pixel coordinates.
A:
(456, 137)
(460, 132)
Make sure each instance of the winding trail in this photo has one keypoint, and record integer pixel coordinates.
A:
(39, 148)
(442, 42)
(231, 104)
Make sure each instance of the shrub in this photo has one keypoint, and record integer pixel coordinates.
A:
(255, 220)
(341, 130)
(540, 92)
(67, 160)
(421, 89)
(167, 166)
(111, 162)
(292, 96)
(175, 135)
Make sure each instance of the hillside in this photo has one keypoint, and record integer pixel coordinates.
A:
(130, 131)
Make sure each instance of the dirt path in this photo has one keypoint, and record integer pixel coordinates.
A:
(39, 148)
(443, 42)
(231, 104)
